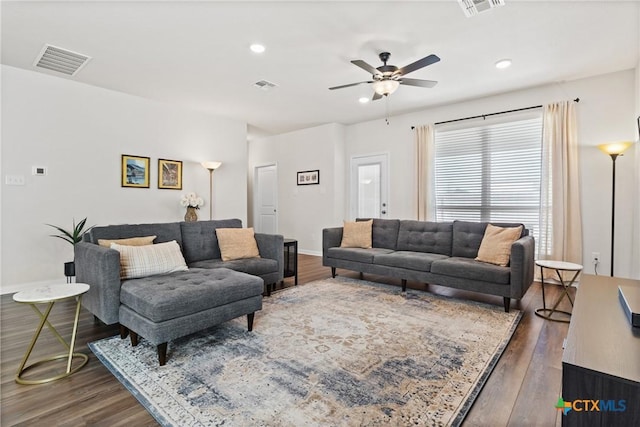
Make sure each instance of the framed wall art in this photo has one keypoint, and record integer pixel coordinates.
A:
(309, 177)
(135, 171)
(170, 174)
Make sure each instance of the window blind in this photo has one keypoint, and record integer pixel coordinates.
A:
(490, 173)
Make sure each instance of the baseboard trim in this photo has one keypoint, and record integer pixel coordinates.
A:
(306, 252)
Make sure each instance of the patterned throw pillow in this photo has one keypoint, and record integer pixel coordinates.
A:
(237, 243)
(357, 234)
(131, 241)
(149, 260)
(495, 247)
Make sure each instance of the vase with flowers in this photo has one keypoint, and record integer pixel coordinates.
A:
(192, 202)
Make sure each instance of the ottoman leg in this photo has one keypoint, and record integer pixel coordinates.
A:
(162, 353)
(250, 321)
(134, 338)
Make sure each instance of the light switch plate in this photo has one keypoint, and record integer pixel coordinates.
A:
(14, 179)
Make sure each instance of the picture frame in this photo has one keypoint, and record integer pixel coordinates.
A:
(134, 171)
(170, 174)
(311, 177)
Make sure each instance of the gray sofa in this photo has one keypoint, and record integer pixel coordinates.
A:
(163, 307)
(440, 253)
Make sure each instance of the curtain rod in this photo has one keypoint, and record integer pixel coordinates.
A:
(484, 116)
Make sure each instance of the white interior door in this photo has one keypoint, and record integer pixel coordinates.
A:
(369, 186)
(265, 199)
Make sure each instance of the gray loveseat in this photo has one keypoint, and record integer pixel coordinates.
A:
(167, 306)
(440, 253)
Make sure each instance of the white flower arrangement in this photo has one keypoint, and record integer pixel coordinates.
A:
(191, 200)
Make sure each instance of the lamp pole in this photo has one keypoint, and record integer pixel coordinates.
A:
(211, 166)
(613, 207)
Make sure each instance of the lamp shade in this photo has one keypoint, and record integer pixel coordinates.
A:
(211, 165)
(385, 87)
(614, 147)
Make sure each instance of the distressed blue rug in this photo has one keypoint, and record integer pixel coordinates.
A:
(338, 352)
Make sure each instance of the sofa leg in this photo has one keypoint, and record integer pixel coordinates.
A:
(333, 272)
(268, 289)
(361, 276)
(404, 285)
(250, 317)
(507, 303)
(134, 338)
(162, 353)
(124, 331)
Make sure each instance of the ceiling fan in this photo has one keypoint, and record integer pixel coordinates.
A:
(387, 78)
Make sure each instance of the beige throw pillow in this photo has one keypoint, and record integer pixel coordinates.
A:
(132, 241)
(357, 234)
(149, 260)
(237, 243)
(495, 247)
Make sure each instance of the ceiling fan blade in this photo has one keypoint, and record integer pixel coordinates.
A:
(360, 63)
(418, 82)
(431, 59)
(350, 84)
(376, 96)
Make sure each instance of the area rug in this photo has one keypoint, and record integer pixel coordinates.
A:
(339, 352)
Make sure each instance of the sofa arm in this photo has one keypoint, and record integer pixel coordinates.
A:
(272, 246)
(99, 267)
(331, 238)
(522, 265)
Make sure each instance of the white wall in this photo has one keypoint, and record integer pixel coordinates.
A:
(605, 113)
(303, 211)
(79, 132)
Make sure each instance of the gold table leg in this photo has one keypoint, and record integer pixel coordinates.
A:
(43, 321)
(547, 313)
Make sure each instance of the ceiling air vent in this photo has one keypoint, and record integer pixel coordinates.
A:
(473, 7)
(61, 60)
(264, 85)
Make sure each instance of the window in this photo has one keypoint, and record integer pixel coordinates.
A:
(490, 173)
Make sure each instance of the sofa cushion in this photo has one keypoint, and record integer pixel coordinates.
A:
(384, 232)
(356, 234)
(176, 295)
(149, 260)
(131, 241)
(419, 261)
(425, 236)
(237, 243)
(356, 254)
(495, 247)
(164, 232)
(200, 240)
(255, 266)
(467, 236)
(471, 269)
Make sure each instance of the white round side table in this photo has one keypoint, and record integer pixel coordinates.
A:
(559, 267)
(50, 295)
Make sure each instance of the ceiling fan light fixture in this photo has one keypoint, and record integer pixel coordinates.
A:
(385, 87)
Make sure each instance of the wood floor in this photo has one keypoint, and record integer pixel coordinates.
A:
(521, 391)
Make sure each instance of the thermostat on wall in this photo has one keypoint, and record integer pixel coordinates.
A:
(38, 170)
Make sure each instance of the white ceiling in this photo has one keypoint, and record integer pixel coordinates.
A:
(196, 54)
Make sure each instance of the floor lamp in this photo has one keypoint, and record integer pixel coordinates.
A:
(211, 166)
(614, 150)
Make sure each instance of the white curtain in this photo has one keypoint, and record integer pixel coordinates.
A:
(425, 173)
(560, 216)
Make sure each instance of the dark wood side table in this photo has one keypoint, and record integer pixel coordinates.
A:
(291, 259)
(601, 359)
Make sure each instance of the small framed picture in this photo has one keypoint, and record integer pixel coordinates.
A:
(135, 171)
(170, 174)
(309, 177)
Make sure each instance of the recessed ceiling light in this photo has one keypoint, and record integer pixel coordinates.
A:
(363, 100)
(257, 48)
(503, 63)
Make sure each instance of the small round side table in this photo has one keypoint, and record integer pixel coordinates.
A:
(50, 295)
(559, 267)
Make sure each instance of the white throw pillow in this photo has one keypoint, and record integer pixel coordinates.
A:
(142, 261)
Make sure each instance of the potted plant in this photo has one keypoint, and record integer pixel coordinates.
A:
(74, 236)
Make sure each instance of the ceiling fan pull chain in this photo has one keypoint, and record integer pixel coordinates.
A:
(386, 103)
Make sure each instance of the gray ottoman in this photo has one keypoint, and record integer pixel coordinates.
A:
(163, 308)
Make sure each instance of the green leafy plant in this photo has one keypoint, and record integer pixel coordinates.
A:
(75, 235)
